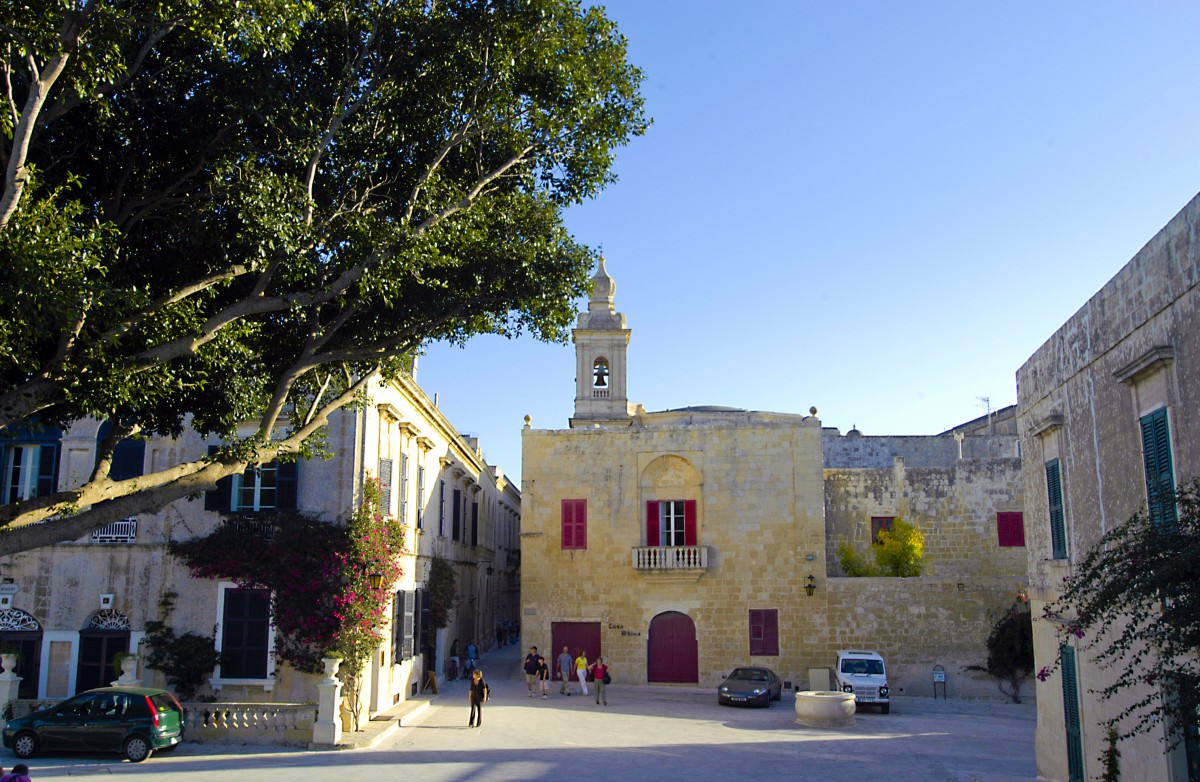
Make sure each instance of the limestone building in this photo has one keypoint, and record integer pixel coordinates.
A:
(682, 543)
(1109, 406)
(71, 608)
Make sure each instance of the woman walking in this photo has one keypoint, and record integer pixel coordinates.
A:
(600, 675)
(477, 692)
(581, 668)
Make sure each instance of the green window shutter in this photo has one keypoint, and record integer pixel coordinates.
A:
(1160, 475)
(47, 476)
(1058, 530)
(1071, 714)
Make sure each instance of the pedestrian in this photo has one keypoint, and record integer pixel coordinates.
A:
(600, 679)
(499, 636)
(566, 664)
(19, 773)
(472, 654)
(531, 669)
(452, 674)
(478, 693)
(543, 676)
(581, 668)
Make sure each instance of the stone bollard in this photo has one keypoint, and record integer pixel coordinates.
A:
(327, 730)
(10, 683)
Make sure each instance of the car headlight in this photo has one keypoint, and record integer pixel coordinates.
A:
(847, 688)
(883, 691)
(724, 688)
(759, 690)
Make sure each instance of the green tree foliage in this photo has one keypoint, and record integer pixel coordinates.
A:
(899, 552)
(442, 591)
(1010, 650)
(244, 210)
(1133, 605)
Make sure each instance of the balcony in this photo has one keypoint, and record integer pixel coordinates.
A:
(120, 531)
(670, 559)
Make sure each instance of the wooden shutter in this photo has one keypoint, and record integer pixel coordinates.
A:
(47, 476)
(1058, 531)
(474, 523)
(408, 622)
(1010, 528)
(220, 498)
(880, 524)
(128, 459)
(652, 538)
(764, 632)
(385, 486)
(689, 522)
(1160, 475)
(574, 524)
(1071, 715)
(457, 514)
(287, 478)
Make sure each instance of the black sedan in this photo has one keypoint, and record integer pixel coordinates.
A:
(750, 685)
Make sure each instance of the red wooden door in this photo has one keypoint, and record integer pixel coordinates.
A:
(672, 649)
(574, 636)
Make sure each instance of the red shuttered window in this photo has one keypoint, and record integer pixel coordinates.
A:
(671, 523)
(764, 632)
(574, 524)
(1010, 528)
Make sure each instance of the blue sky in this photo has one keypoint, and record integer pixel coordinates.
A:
(880, 209)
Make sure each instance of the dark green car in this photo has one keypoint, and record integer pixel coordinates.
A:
(135, 721)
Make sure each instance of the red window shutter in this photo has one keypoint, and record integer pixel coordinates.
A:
(1010, 528)
(764, 632)
(689, 522)
(574, 524)
(652, 523)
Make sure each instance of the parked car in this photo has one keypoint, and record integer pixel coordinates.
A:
(135, 721)
(750, 685)
(865, 675)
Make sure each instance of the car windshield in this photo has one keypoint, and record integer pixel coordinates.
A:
(746, 674)
(862, 666)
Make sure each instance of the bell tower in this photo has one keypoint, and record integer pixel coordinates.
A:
(601, 340)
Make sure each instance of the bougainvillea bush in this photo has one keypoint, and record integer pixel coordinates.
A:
(318, 574)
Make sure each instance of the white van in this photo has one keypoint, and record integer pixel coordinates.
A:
(865, 675)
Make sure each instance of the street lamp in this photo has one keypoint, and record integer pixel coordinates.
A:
(810, 585)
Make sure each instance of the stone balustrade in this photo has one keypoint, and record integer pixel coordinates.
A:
(670, 557)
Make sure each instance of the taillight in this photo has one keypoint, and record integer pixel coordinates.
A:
(153, 711)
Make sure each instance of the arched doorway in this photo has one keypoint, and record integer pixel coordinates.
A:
(106, 636)
(672, 649)
(21, 633)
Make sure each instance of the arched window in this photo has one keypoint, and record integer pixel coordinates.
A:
(106, 636)
(22, 634)
(600, 373)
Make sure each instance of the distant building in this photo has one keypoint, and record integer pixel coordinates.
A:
(682, 543)
(73, 607)
(1108, 405)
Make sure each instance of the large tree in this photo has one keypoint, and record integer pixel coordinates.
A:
(241, 210)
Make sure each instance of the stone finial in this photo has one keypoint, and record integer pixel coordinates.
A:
(528, 421)
(812, 410)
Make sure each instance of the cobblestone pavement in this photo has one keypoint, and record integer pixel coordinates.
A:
(645, 733)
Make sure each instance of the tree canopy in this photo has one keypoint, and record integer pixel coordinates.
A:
(242, 210)
(1133, 604)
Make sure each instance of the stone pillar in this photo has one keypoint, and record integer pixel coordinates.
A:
(327, 731)
(9, 684)
(128, 677)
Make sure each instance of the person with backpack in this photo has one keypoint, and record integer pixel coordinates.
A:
(531, 670)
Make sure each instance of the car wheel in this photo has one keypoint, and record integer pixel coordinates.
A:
(137, 749)
(25, 745)
(885, 708)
